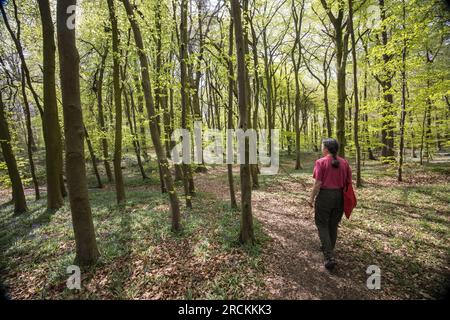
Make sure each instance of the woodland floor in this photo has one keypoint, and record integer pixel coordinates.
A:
(404, 228)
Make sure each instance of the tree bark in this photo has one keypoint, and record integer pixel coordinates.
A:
(93, 159)
(18, 195)
(387, 131)
(53, 143)
(356, 95)
(403, 110)
(101, 116)
(159, 148)
(230, 111)
(298, 21)
(246, 234)
(133, 132)
(117, 161)
(340, 39)
(29, 137)
(187, 171)
(83, 226)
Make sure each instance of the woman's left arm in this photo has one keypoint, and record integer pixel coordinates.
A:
(315, 190)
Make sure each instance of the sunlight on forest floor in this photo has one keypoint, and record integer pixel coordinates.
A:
(403, 228)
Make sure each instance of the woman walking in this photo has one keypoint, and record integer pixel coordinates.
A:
(332, 176)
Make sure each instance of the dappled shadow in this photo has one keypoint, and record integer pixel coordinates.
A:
(387, 206)
(15, 227)
(296, 262)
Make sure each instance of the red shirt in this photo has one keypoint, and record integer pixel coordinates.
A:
(331, 177)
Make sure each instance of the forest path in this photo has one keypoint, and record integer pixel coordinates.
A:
(293, 261)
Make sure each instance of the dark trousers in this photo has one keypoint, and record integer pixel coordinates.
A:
(329, 208)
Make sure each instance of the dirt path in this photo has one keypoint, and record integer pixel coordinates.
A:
(293, 261)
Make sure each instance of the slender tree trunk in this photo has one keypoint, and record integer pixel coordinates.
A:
(198, 75)
(230, 111)
(29, 137)
(178, 169)
(356, 96)
(340, 39)
(134, 134)
(428, 134)
(86, 245)
(159, 148)
(267, 74)
(93, 159)
(118, 177)
(422, 139)
(101, 116)
(187, 173)
(298, 22)
(327, 110)
(53, 143)
(341, 92)
(141, 117)
(246, 234)
(18, 195)
(159, 82)
(403, 110)
(387, 131)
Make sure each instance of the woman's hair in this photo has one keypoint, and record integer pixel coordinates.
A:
(332, 146)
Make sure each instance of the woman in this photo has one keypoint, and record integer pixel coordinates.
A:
(332, 175)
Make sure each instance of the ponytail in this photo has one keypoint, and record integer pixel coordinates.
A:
(335, 163)
(332, 146)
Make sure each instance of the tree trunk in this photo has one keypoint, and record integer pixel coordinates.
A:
(101, 116)
(298, 21)
(341, 92)
(230, 111)
(93, 159)
(29, 138)
(18, 195)
(83, 226)
(356, 96)
(187, 171)
(403, 110)
(387, 131)
(341, 48)
(327, 110)
(158, 87)
(159, 148)
(53, 144)
(246, 234)
(133, 132)
(117, 161)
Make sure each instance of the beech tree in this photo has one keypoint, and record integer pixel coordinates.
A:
(18, 196)
(246, 233)
(83, 226)
(52, 129)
